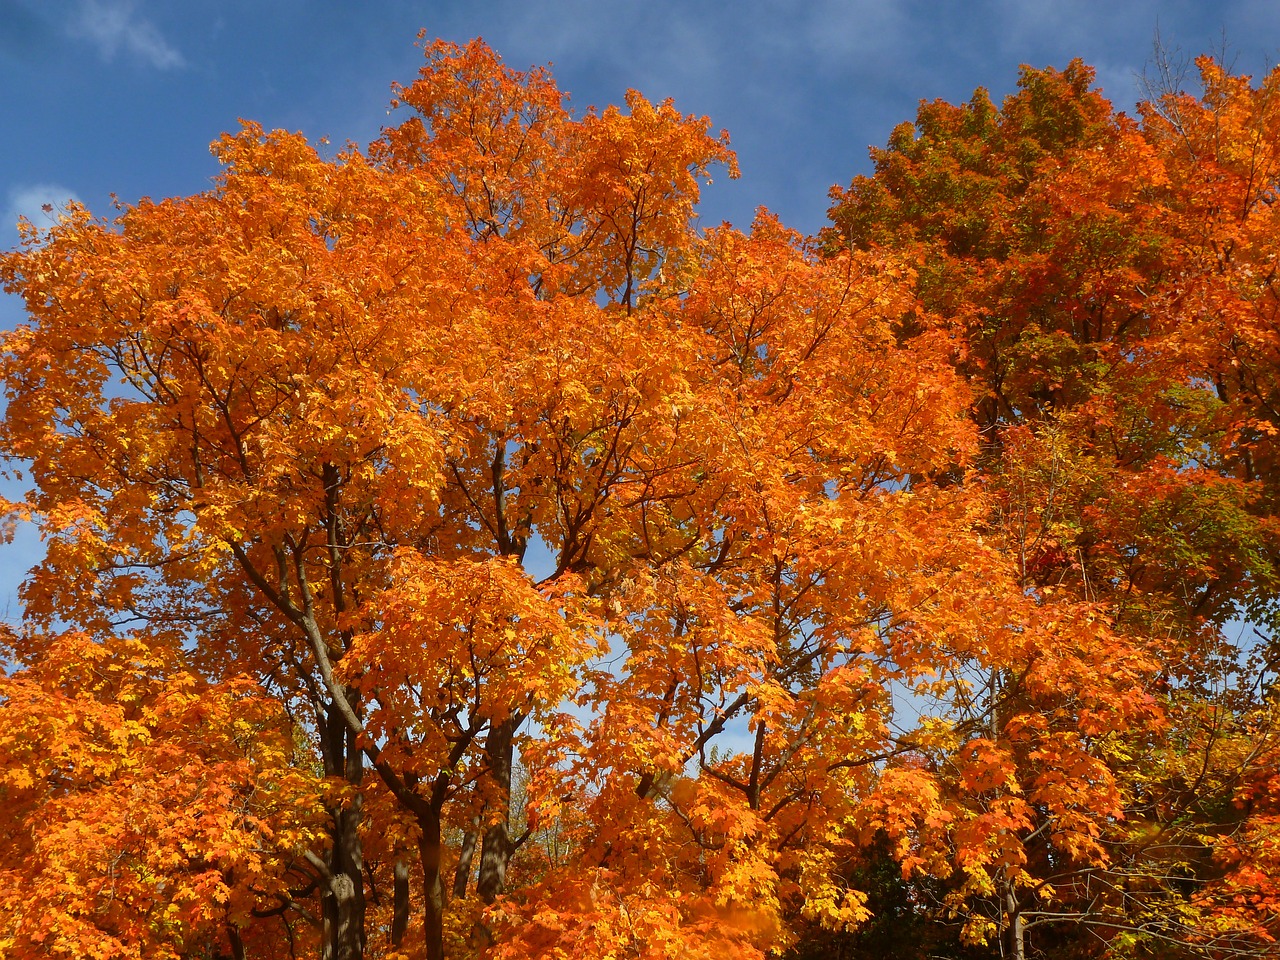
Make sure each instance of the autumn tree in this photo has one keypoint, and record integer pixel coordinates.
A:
(760, 558)
(148, 810)
(1053, 241)
(294, 399)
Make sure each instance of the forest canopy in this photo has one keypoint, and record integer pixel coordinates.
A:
(454, 550)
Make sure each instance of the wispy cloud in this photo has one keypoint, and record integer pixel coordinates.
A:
(41, 203)
(114, 27)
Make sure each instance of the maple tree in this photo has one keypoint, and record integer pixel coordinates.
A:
(148, 810)
(1064, 246)
(452, 550)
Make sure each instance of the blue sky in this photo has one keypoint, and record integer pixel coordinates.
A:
(123, 97)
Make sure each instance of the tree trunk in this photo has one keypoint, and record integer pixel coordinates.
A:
(237, 944)
(400, 903)
(496, 850)
(495, 854)
(1017, 934)
(432, 884)
(344, 902)
(462, 876)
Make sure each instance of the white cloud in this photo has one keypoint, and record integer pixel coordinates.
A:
(30, 201)
(114, 27)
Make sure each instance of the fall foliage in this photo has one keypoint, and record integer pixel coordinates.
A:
(455, 550)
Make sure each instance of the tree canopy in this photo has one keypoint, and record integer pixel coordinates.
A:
(454, 550)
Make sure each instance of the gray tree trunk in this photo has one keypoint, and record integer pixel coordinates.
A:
(344, 901)
(497, 848)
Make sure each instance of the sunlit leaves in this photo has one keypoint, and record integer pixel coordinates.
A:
(149, 810)
(692, 574)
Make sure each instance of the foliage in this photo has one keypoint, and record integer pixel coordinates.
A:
(1085, 262)
(147, 810)
(452, 550)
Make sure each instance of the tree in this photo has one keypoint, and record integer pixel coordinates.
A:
(831, 577)
(148, 811)
(1064, 246)
(294, 398)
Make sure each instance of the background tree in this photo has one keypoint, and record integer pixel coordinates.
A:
(1052, 247)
